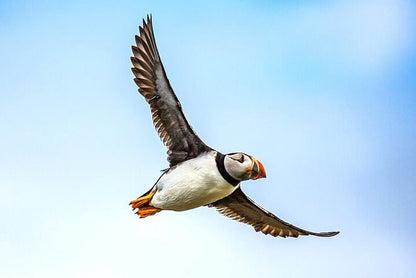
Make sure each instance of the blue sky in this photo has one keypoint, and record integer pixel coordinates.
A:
(323, 93)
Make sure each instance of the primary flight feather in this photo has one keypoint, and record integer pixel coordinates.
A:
(198, 175)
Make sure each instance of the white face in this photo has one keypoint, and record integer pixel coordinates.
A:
(239, 165)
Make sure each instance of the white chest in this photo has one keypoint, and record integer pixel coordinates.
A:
(193, 183)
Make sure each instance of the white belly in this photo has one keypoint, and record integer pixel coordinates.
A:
(193, 183)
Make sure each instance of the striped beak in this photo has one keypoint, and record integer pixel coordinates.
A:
(257, 170)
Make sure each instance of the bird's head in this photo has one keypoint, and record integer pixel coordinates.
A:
(242, 167)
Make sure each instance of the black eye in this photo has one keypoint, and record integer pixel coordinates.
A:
(241, 160)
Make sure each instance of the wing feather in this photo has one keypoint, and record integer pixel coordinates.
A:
(239, 207)
(167, 115)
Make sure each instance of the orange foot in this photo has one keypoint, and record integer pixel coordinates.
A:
(142, 204)
(147, 211)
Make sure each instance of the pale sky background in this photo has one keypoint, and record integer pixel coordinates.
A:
(323, 93)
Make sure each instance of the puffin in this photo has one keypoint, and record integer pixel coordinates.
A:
(198, 175)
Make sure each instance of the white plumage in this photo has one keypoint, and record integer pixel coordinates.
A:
(192, 183)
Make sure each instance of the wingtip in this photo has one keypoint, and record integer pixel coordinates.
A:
(147, 20)
(327, 234)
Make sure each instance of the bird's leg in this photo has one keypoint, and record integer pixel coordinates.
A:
(142, 204)
(142, 201)
(147, 211)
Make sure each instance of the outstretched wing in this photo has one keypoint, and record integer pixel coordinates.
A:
(168, 118)
(239, 207)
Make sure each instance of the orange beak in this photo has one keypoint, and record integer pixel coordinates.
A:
(257, 170)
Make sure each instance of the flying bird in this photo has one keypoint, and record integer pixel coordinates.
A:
(198, 175)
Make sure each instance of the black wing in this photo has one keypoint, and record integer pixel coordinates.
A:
(168, 118)
(239, 207)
